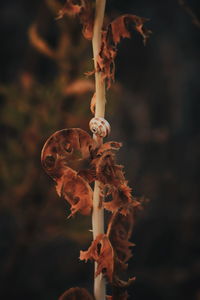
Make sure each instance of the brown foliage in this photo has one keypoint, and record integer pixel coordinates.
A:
(112, 177)
(76, 191)
(122, 199)
(102, 252)
(69, 9)
(62, 157)
(107, 172)
(111, 251)
(109, 146)
(116, 30)
(63, 152)
(119, 28)
(85, 12)
(66, 148)
(119, 232)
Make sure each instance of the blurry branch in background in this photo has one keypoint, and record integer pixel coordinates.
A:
(39, 43)
(190, 12)
(66, 49)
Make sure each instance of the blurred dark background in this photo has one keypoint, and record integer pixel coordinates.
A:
(153, 108)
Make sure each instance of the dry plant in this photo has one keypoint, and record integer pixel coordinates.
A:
(77, 162)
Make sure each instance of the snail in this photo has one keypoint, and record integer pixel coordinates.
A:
(100, 127)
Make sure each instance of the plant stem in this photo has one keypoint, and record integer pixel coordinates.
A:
(96, 44)
(98, 211)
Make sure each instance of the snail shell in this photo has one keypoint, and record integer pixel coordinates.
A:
(100, 127)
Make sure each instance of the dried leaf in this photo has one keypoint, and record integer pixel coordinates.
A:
(111, 176)
(76, 294)
(119, 232)
(69, 9)
(92, 252)
(119, 27)
(85, 12)
(122, 200)
(39, 43)
(106, 57)
(87, 19)
(116, 30)
(115, 146)
(62, 156)
(64, 152)
(102, 252)
(66, 148)
(88, 175)
(76, 191)
(107, 171)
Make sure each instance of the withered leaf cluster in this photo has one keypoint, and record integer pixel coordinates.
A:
(111, 251)
(61, 156)
(119, 28)
(84, 10)
(64, 157)
(74, 160)
(102, 252)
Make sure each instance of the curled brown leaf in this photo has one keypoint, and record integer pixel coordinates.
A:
(115, 146)
(122, 200)
(120, 28)
(107, 171)
(119, 232)
(102, 252)
(76, 191)
(62, 156)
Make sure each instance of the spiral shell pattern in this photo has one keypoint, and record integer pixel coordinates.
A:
(100, 127)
